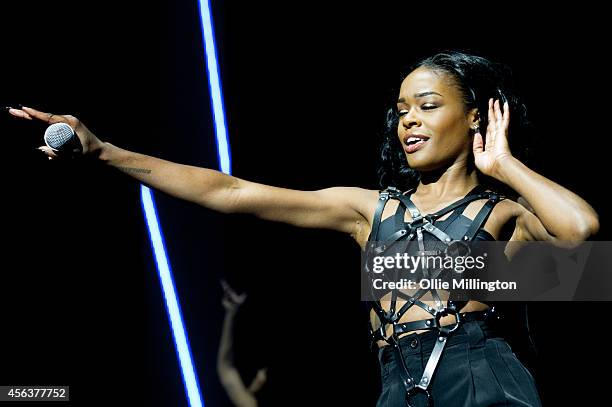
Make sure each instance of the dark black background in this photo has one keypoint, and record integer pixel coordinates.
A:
(306, 87)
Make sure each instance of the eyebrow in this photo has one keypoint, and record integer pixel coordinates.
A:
(419, 95)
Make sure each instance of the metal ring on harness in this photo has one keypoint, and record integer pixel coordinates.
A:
(456, 244)
(447, 329)
(416, 389)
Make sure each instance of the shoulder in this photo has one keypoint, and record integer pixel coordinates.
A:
(519, 221)
(354, 205)
(501, 222)
(365, 202)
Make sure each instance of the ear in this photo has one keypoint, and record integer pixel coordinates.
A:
(473, 118)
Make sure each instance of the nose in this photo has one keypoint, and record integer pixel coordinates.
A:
(410, 119)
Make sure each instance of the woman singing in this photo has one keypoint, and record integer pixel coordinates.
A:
(445, 164)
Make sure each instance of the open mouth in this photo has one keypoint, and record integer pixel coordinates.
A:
(413, 143)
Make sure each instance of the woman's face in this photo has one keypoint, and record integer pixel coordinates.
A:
(434, 124)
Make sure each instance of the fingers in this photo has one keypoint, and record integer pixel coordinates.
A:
(19, 113)
(29, 114)
(48, 151)
(498, 113)
(498, 120)
(506, 120)
(478, 145)
(495, 114)
(224, 285)
(227, 290)
(237, 298)
(501, 118)
(492, 123)
(491, 127)
(36, 114)
(49, 118)
(231, 295)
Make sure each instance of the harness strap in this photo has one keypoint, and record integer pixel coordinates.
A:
(407, 380)
(474, 194)
(407, 203)
(382, 201)
(432, 362)
(431, 323)
(481, 217)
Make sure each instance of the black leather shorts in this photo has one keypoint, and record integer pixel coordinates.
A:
(477, 368)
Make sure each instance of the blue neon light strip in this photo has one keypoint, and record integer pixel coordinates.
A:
(165, 274)
(172, 305)
(214, 84)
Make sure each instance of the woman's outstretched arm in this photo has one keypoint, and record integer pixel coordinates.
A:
(337, 208)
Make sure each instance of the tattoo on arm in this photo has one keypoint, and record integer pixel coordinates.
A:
(135, 170)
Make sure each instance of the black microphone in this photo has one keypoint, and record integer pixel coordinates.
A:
(63, 140)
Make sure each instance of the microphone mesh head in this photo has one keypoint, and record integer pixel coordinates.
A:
(57, 135)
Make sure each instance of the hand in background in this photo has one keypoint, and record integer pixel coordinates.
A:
(231, 300)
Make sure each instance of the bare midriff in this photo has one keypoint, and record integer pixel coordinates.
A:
(416, 313)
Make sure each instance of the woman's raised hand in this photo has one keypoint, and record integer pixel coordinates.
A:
(88, 140)
(489, 154)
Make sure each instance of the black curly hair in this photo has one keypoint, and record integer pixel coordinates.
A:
(478, 79)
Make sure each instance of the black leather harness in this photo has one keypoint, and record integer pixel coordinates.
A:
(421, 229)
